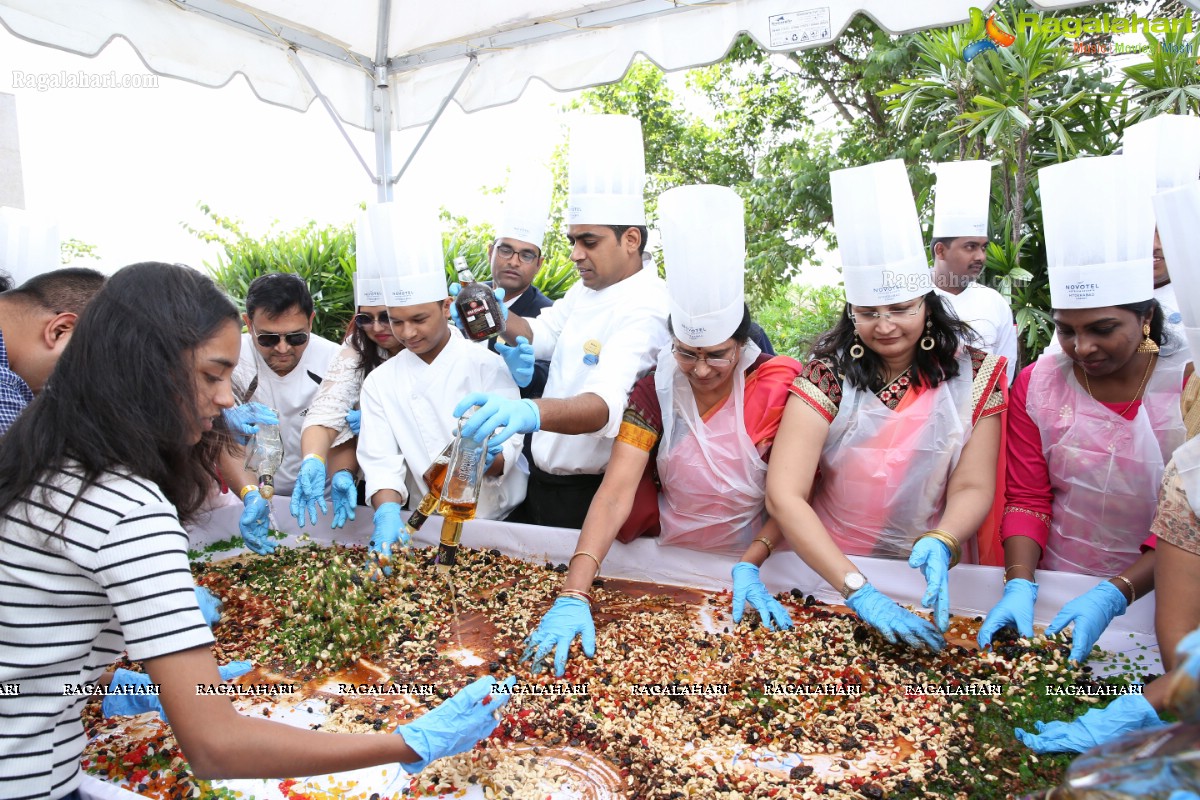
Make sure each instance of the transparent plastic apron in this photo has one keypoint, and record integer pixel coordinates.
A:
(1105, 470)
(884, 474)
(713, 481)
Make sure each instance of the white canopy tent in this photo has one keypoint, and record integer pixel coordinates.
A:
(384, 65)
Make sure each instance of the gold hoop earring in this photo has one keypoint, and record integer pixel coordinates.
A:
(927, 341)
(1148, 345)
(856, 350)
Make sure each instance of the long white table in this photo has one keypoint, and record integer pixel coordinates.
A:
(973, 589)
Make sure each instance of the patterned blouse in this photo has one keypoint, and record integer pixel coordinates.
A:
(820, 385)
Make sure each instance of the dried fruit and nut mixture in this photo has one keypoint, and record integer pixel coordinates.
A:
(678, 702)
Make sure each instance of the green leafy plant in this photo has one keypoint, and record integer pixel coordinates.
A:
(323, 256)
(796, 316)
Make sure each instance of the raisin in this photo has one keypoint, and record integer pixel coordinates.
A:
(800, 772)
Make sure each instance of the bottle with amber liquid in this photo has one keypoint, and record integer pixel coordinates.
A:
(460, 493)
(434, 478)
(478, 308)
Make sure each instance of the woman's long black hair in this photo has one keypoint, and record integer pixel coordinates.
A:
(368, 352)
(930, 367)
(123, 394)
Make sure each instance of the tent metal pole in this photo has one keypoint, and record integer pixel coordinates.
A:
(473, 60)
(381, 107)
(332, 114)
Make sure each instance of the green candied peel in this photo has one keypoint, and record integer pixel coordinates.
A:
(234, 542)
(325, 610)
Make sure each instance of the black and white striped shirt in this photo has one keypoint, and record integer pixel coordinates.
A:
(74, 593)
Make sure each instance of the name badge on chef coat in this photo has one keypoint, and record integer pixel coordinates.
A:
(591, 352)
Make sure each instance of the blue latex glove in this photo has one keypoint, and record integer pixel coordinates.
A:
(502, 417)
(456, 287)
(567, 618)
(1091, 612)
(494, 449)
(933, 559)
(243, 420)
(125, 705)
(354, 420)
(519, 360)
(345, 497)
(895, 623)
(1015, 609)
(748, 588)
(309, 491)
(389, 531)
(210, 606)
(456, 725)
(1180, 794)
(1129, 712)
(255, 523)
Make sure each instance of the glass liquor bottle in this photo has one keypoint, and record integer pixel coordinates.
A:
(477, 306)
(264, 454)
(434, 478)
(460, 493)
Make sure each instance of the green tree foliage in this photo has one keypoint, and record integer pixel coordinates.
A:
(322, 255)
(71, 250)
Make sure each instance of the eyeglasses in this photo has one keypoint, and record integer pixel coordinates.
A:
(294, 339)
(526, 256)
(366, 320)
(687, 359)
(875, 316)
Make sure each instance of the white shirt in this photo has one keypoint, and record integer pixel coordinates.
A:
(628, 321)
(407, 419)
(117, 580)
(1172, 319)
(990, 317)
(338, 394)
(290, 395)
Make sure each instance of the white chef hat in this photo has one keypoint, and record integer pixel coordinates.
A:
(879, 237)
(704, 248)
(607, 171)
(401, 247)
(29, 244)
(368, 291)
(527, 206)
(1178, 212)
(1099, 227)
(1167, 147)
(960, 202)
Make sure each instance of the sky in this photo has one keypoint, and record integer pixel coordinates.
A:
(123, 169)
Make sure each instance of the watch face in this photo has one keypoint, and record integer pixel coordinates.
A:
(855, 580)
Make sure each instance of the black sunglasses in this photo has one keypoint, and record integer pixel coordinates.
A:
(366, 320)
(272, 339)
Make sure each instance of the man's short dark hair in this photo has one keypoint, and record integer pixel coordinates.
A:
(277, 292)
(946, 240)
(66, 290)
(6, 281)
(619, 230)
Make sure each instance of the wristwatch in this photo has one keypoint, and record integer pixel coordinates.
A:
(852, 583)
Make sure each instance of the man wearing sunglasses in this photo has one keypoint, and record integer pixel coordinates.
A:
(281, 365)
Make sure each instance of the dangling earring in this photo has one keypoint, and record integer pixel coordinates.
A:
(1148, 345)
(927, 341)
(856, 349)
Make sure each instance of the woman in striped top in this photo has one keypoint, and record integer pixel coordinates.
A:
(94, 479)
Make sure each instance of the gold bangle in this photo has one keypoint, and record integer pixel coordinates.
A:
(576, 593)
(589, 555)
(314, 455)
(247, 489)
(946, 539)
(1129, 583)
(765, 542)
(1014, 566)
